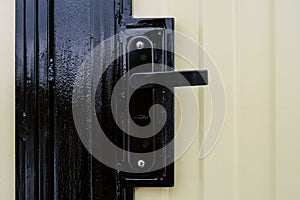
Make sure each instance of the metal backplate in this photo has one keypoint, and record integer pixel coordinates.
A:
(145, 53)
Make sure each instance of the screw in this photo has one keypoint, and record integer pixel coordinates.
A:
(140, 45)
(141, 163)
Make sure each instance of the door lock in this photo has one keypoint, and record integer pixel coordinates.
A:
(148, 66)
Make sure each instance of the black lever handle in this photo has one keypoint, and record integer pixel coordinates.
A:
(169, 79)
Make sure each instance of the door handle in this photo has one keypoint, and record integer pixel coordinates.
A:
(169, 79)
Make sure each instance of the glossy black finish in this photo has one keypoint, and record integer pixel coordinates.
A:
(170, 79)
(143, 99)
(34, 82)
(52, 39)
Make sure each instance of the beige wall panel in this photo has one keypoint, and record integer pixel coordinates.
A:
(219, 41)
(7, 108)
(255, 100)
(287, 43)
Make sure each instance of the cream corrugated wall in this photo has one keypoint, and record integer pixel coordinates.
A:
(7, 108)
(255, 44)
(287, 93)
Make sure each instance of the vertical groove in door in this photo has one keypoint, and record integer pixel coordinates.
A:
(236, 60)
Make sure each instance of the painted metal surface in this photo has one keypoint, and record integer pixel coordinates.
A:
(34, 93)
(53, 39)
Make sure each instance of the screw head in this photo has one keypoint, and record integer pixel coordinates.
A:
(140, 45)
(141, 163)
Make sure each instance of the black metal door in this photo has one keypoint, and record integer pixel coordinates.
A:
(53, 39)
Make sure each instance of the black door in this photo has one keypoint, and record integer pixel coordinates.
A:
(71, 57)
(54, 37)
